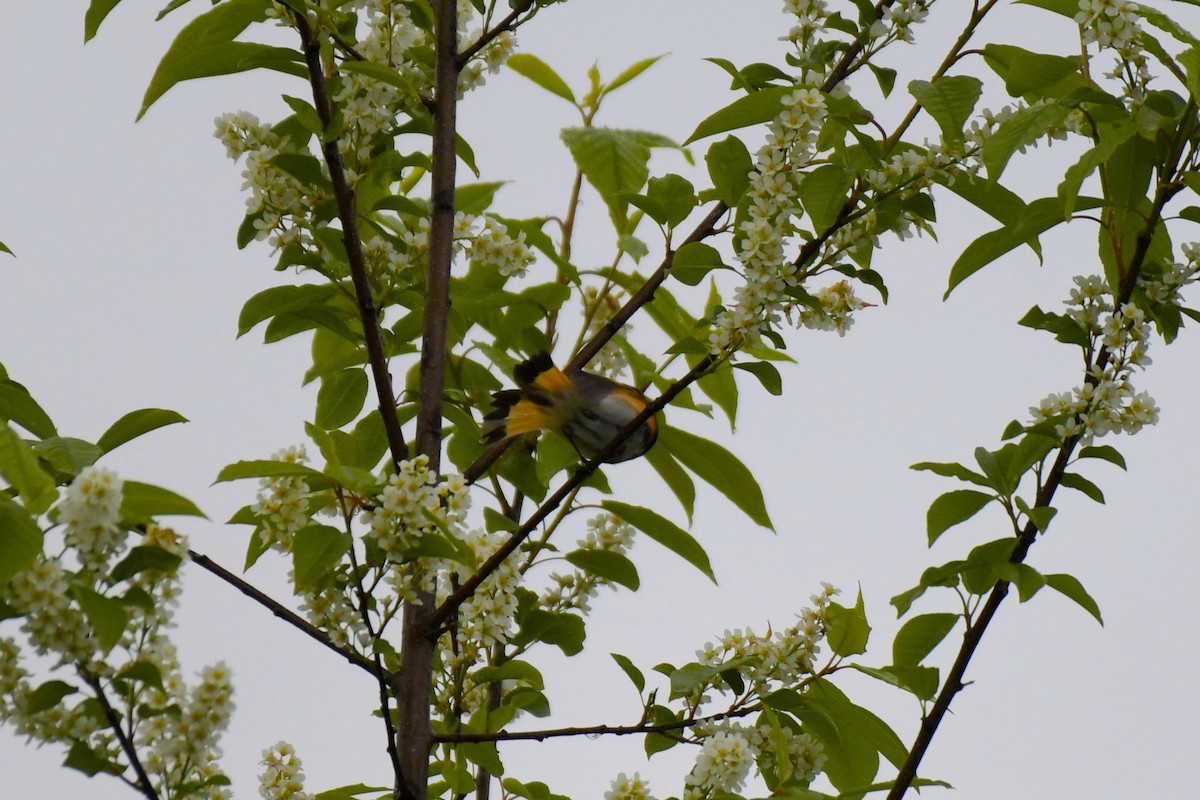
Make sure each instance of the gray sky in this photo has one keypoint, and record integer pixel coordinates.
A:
(126, 294)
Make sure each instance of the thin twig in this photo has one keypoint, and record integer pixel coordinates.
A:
(282, 611)
(508, 24)
(143, 783)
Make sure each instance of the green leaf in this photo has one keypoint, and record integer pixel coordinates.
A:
(341, 398)
(952, 470)
(949, 100)
(20, 467)
(67, 454)
(540, 72)
(634, 674)
(107, 616)
(475, 198)
(280, 299)
(629, 73)
(823, 194)
(1028, 73)
(761, 106)
(142, 502)
(720, 469)
(1064, 328)
(136, 423)
(146, 672)
(1112, 139)
(47, 696)
(142, 558)
(97, 11)
(514, 670)
(206, 47)
(84, 759)
(614, 161)
(1104, 452)
(266, 469)
(692, 262)
(17, 405)
(676, 478)
(315, 551)
(565, 631)
(20, 540)
(919, 636)
(767, 374)
(729, 167)
(1070, 586)
(846, 629)
(1040, 516)
(1022, 129)
(606, 565)
(675, 195)
(665, 532)
(1073, 480)
(952, 508)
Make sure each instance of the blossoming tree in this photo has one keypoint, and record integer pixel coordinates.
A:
(414, 546)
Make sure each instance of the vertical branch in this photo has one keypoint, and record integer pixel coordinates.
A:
(348, 216)
(411, 685)
(143, 784)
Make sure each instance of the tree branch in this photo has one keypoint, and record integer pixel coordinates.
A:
(509, 23)
(143, 784)
(283, 612)
(347, 214)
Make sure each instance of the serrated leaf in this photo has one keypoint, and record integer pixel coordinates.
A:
(953, 508)
(340, 398)
(143, 502)
(17, 405)
(767, 374)
(846, 629)
(1104, 452)
(729, 167)
(1073, 480)
(949, 100)
(107, 616)
(631, 671)
(917, 638)
(606, 565)
(676, 478)
(538, 71)
(754, 108)
(720, 469)
(665, 532)
(1070, 586)
(692, 262)
(315, 550)
(19, 466)
(135, 424)
(142, 558)
(206, 47)
(264, 468)
(46, 696)
(20, 539)
(1018, 131)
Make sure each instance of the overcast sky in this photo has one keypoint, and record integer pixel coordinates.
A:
(125, 294)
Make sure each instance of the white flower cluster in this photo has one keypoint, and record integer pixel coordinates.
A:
(776, 658)
(761, 237)
(838, 304)
(810, 15)
(1107, 402)
(281, 778)
(629, 788)
(486, 617)
(280, 505)
(599, 309)
(1113, 25)
(899, 18)
(328, 606)
(575, 591)
(54, 624)
(91, 511)
(414, 504)
(722, 765)
(493, 245)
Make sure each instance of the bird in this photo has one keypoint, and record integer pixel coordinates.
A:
(588, 409)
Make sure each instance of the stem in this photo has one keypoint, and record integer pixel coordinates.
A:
(509, 23)
(347, 214)
(143, 784)
(283, 612)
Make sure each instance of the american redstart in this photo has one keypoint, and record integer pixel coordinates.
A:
(589, 410)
